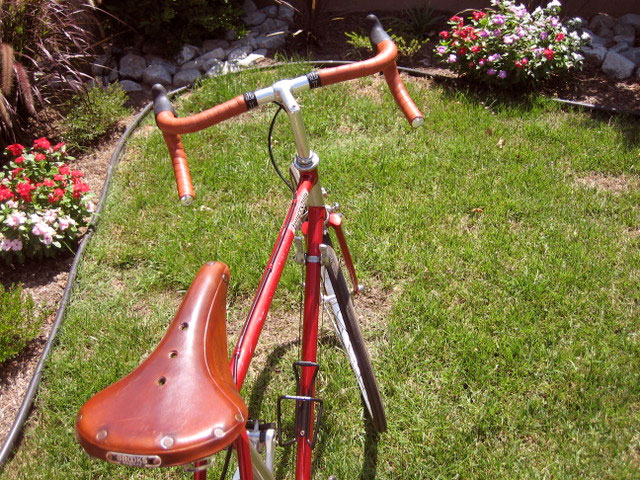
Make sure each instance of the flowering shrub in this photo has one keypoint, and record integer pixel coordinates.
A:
(43, 202)
(507, 45)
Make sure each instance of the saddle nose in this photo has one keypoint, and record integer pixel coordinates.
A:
(181, 404)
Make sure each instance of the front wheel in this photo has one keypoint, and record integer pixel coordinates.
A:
(345, 321)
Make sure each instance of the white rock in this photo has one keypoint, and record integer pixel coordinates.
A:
(250, 59)
(273, 25)
(594, 54)
(255, 18)
(156, 74)
(156, 60)
(624, 29)
(601, 21)
(286, 13)
(632, 54)
(630, 39)
(185, 77)
(130, 86)
(597, 40)
(187, 52)
(631, 19)
(217, 53)
(239, 53)
(270, 11)
(619, 47)
(215, 69)
(271, 41)
(617, 66)
(132, 66)
(606, 33)
(249, 6)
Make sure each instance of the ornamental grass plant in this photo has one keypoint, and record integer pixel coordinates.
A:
(507, 45)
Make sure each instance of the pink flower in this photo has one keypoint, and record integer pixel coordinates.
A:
(18, 159)
(16, 245)
(452, 58)
(502, 74)
(16, 219)
(491, 72)
(39, 157)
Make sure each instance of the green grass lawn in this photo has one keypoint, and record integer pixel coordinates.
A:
(500, 243)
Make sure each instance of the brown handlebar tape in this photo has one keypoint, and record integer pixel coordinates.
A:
(387, 53)
(384, 61)
(180, 165)
(170, 124)
(401, 96)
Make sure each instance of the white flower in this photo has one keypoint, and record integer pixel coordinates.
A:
(11, 204)
(554, 4)
(50, 216)
(47, 239)
(16, 245)
(15, 219)
(35, 218)
(5, 244)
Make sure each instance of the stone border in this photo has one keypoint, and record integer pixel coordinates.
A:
(136, 72)
(613, 45)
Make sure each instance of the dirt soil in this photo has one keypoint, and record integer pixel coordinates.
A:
(46, 281)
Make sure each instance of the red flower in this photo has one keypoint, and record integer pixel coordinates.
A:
(39, 157)
(548, 53)
(476, 48)
(24, 190)
(79, 188)
(477, 15)
(524, 61)
(559, 37)
(58, 146)
(76, 174)
(15, 149)
(456, 19)
(16, 171)
(56, 196)
(58, 178)
(462, 51)
(5, 193)
(64, 169)
(18, 159)
(518, 64)
(42, 143)
(444, 34)
(49, 183)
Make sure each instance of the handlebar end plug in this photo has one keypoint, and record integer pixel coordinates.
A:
(417, 122)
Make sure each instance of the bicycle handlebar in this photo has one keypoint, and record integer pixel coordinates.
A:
(384, 61)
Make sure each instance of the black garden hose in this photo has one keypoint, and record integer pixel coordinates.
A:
(27, 402)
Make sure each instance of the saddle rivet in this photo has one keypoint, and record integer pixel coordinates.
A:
(225, 279)
(166, 442)
(239, 417)
(102, 434)
(218, 432)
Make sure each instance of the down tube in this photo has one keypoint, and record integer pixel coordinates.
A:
(248, 339)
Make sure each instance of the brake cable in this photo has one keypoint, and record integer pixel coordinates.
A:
(273, 160)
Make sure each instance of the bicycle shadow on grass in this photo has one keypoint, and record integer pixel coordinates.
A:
(256, 399)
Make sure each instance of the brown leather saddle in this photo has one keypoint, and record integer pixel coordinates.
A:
(181, 404)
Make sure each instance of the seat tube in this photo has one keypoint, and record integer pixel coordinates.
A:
(316, 219)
